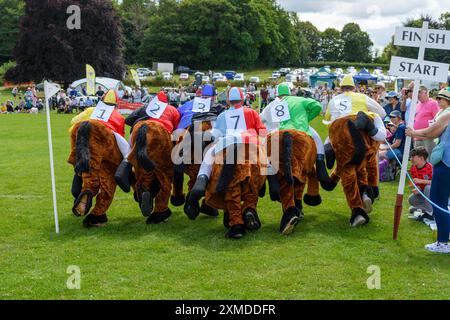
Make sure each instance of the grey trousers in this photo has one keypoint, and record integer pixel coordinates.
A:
(419, 202)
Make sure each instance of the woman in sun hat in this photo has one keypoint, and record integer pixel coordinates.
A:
(440, 158)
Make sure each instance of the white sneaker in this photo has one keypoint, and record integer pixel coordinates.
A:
(438, 247)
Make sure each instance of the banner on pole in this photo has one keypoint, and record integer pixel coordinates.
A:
(90, 80)
(135, 76)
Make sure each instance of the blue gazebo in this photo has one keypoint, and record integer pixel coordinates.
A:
(322, 76)
(364, 76)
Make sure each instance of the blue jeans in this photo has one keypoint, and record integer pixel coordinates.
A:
(398, 153)
(440, 191)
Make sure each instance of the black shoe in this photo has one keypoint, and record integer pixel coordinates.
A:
(289, 221)
(359, 217)
(191, 208)
(159, 217)
(226, 220)
(274, 188)
(209, 211)
(95, 221)
(77, 185)
(330, 156)
(199, 189)
(122, 176)
(251, 219)
(312, 201)
(236, 232)
(146, 204)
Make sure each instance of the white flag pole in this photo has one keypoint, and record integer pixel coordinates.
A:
(52, 166)
(408, 141)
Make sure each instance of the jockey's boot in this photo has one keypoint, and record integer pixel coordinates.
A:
(274, 188)
(322, 174)
(363, 122)
(199, 189)
(122, 176)
(330, 156)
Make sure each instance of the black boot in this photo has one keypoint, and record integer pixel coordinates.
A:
(191, 208)
(289, 221)
(77, 185)
(146, 204)
(274, 188)
(363, 122)
(199, 189)
(322, 174)
(95, 221)
(122, 176)
(251, 219)
(159, 217)
(330, 156)
(236, 232)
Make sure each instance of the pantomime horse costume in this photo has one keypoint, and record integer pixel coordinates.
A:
(97, 148)
(356, 129)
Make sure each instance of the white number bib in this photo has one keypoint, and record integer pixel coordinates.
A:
(156, 108)
(343, 105)
(279, 111)
(235, 121)
(201, 105)
(102, 112)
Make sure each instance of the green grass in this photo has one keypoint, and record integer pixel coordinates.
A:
(323, 259)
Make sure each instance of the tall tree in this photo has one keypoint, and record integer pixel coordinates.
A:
(312, 35)
(357, 44)
(10, 13)
(331, 45)
(48, 49)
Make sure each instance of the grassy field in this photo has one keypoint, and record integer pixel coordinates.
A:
(323, 259)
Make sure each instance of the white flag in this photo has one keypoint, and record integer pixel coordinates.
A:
(50, 89)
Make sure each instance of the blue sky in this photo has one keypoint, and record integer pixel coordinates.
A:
(378, 17)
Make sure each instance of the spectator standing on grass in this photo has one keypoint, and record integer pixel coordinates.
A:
(426, 111)
(100, 93)
(14, 92)
(440, 186)
(405, 106)
(272, 93)
(264, 97)
(421, 173)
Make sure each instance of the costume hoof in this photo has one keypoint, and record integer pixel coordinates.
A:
(122, 176)
(146, 204)
(92, 221)
(77, 185)
(328, 185)
(83, 204)
(236, 232)
(209, 211)
(251, 219)
(312, 201)
(159, 217)
(178, 201)
(192, 210)
(289, 221)
(359, 218)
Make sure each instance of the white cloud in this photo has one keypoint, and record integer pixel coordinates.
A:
(378, 17)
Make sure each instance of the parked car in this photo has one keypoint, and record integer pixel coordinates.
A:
(217, 76)
(284, 71)
(222, 79)
(276, 74)
(184, 76)
(205, 79)
(291, 78)
(255, 79)
(167, 76)
(183, 69)
(199, 73)
(146, 72)
(230, 74)
(239, 77)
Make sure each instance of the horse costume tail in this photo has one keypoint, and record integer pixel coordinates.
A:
(358, 141)
(141, 146)
(83, 154)
(287, 147)
(228, 172)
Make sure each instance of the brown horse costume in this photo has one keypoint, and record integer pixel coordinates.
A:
(295, 161)
(151, 159)
(357, 167)
(192, 168)
(234, 187)
(95, 157)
